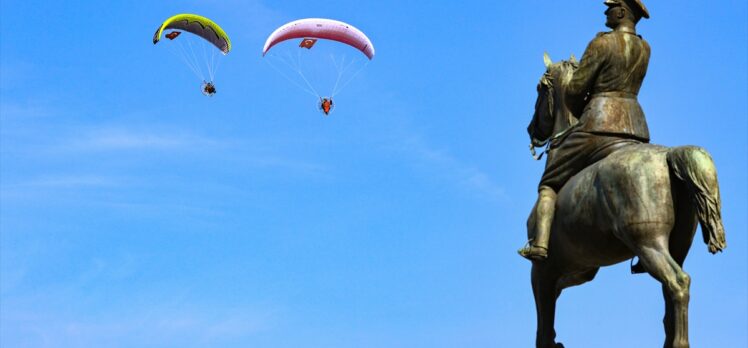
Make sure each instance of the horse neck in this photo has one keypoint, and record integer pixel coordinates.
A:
(562, 116)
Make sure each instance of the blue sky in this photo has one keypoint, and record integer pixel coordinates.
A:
(135, 212)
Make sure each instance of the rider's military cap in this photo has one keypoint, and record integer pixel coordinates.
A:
(635, 5)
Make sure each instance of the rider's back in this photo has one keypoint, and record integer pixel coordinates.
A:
(607, 84)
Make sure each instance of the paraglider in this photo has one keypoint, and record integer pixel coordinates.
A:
(312, 31)
(320, 28)
(198, 51)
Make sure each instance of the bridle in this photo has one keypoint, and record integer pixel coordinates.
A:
(547, 82)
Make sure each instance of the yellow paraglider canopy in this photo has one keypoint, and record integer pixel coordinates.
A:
(198, 25)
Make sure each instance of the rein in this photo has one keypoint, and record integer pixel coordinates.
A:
(547, 143)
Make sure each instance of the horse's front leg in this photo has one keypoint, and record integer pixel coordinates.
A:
(545, 289)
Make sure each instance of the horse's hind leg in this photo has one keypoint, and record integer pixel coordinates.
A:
(681, 239)
(656, 258)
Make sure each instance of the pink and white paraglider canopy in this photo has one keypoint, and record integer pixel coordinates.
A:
(321, 28)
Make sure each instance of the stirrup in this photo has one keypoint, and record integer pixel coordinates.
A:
(532, 252)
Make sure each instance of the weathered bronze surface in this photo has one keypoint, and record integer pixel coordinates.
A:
(642, 200)
(602, 93)
(607, 195)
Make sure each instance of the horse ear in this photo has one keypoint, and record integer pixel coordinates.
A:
(547, 60)
(573, 59)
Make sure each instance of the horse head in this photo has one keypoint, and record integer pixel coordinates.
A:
(552, 116)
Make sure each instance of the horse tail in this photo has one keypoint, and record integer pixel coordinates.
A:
(694, 167)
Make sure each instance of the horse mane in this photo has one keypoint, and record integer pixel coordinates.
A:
(562, 73)
(565, 70)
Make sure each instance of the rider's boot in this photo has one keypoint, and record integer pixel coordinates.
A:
(537, 248)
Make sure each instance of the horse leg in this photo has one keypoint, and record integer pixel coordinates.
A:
(660, 264)
(670, 320)
(546, 291)
(681, 239)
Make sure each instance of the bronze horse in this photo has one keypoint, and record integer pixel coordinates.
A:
(642, 201)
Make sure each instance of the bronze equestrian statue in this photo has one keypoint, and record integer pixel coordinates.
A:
(606, 193)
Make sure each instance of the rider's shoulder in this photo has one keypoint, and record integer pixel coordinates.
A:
(600, 40)
(602, 36)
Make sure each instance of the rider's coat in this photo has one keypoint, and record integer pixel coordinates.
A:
(604, 88)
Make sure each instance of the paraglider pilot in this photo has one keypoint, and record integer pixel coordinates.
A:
(209, 89)
(325, 105)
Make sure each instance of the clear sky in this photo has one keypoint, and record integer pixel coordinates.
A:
(135, 212)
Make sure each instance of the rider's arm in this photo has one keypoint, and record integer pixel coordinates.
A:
(584, 77)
